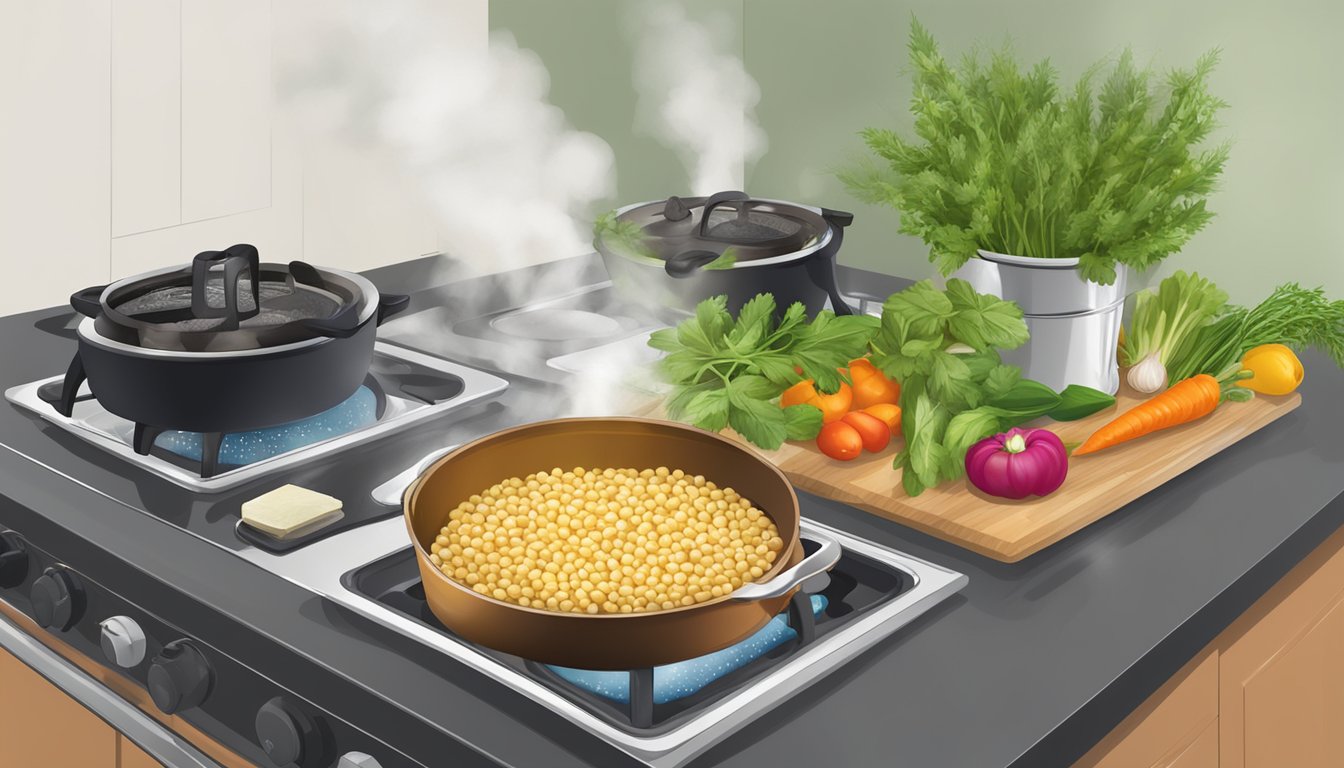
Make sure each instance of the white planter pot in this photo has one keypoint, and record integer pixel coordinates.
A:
(1074, 323)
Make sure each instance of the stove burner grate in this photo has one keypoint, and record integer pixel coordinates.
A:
(406, 386)
(857, 586)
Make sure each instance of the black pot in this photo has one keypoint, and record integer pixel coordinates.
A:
(677, 259)
(224, 391)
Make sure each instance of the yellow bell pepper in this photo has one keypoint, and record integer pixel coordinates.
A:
(1277, 370)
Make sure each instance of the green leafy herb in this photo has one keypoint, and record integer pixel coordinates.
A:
(1291, 315)
(727, 371)
(726, 260)
(944, 346)
(1079, 402)
(1005, 160)
(623, 237)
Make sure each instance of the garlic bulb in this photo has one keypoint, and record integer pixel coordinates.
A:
(1148, 375)
(957, 348)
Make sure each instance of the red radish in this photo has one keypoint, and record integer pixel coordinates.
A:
(1018, 463)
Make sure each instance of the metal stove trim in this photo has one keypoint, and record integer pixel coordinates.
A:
(477, 386)
(311, 568)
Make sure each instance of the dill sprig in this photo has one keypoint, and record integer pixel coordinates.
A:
(1292, 315)
(1003, 160)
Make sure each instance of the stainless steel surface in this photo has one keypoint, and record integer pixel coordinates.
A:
(163, 745)
(1077, 349)
(88, 332)
(390, 493)
(1043, 286)
(319, 567)
(812, 565)
(1074, 323)
(112, 433)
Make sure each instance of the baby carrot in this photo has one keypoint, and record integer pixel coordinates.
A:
(1184, 402)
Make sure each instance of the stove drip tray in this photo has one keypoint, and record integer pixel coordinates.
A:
(403, 387)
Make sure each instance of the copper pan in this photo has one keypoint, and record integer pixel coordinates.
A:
(608, 641)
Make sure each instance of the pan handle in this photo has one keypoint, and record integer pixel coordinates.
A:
(390, 493)
(824, 559)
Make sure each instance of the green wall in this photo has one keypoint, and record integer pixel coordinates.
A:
(827, 69)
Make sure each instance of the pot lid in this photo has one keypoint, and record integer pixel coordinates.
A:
(751, 228)
(229, 301)
(281, 301)
(225, 290)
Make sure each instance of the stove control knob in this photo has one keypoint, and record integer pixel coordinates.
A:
(179, 677)
(13, 561)
(357, 760)
(58, 599)
(123, 641)
(289, 736)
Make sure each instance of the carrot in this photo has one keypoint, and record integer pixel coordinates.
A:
(1193, 398)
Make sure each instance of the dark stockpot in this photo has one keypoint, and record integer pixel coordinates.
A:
(238, 371)
(776, 247)
(618, 641)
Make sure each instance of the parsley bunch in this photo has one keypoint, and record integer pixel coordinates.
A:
(728, 372)
(1004, 161)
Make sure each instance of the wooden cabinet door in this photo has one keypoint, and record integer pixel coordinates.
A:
(131, 756)
(41, 726)
(1201, 753)
(1166, 731)
(1286, 706)
(1281, 682)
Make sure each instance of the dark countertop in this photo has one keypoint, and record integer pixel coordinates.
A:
(1029, 665)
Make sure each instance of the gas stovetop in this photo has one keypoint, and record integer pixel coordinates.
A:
(662, 717)
(666, 716)
(407, 387)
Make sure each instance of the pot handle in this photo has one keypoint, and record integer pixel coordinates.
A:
(341, 325)
(824, 559)
(88, 301)
(236, 259)
(714, 201)
(390, 304)
(688, 263)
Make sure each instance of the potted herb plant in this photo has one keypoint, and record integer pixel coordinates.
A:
(1049, 197)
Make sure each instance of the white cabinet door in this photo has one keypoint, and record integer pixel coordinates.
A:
(146, 115)
(226, 107)
(54, 127)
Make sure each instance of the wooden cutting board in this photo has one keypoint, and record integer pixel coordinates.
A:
(1097, 485)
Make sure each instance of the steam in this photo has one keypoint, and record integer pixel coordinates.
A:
(509, 180)
(694, 97)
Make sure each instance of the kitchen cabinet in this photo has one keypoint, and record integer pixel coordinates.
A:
(1167, 730)
(40, 725)
(1281, 676)
(131, 756)
(1268, 692)
(55, 206)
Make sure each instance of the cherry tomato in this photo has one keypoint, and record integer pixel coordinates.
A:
(871, 386)
(875, 433)
(889, 413)
(840, 441)
(832, 406)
